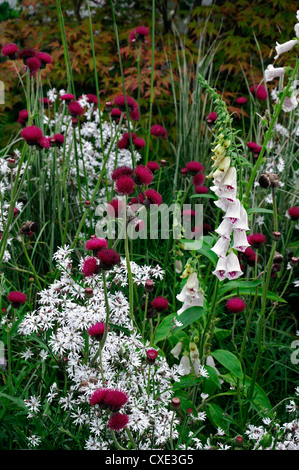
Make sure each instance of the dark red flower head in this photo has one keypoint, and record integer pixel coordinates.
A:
(23, 117)
(194, 167)
(115, 114)
(151, 355)
(115, 208)
(43, 143)
(158, 131)
(152, 197)
(142, 31)
(241, 100)
(256, 239)
(33, 64)
(68, 97)
(120, 102)
(211, 118)
(294, 213)
(92, 99)
(259, 91)
(44, 59)
(25, 54)
(75, 109)
(125, 185)
(58, 139)
(206, 228)
(96, 244)
(143, 175)
(31, 134)
(153, 166)
(160, 304)
(97, 330)
(10, 50)
(198, 179)
(250, 256)
(254, 147)
(235, 305)
(97, 398)
(201, 190)
(118, 421)
(108, 258)
(16, 298)
(90, 267)
(121, 171)
(139, 143)
(115, 399)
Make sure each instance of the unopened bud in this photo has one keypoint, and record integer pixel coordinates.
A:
(149, 285)
(276, 236)
(278, 258)
(239, 439)
(87, 204)
(163, 162)
(88, 292)
(175, 403)
(293, 261)
(11, 163)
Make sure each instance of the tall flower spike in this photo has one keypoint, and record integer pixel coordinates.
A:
(235, 221)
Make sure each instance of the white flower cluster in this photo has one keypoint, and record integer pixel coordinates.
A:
(235, 220)
(93, 141)
(63, 317)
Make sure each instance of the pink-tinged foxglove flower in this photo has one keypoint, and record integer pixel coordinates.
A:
(221, 247)
(176, 351)
(285, 47)
(290, 102)
(220, 270)
(272, 72)
(233, 269)
(240, 240)
(185, 365)
(190, 294)
(225, 229)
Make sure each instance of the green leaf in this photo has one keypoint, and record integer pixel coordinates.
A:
(206, 196)
(192, 244)
(216, 416)
(231, 285)
(260, 398)
(259, 210)
(221, 333)
(229, 361)
(166, 327)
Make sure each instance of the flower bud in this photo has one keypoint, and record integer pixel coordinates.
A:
(88, 292)
(149, 285)
(276, 236)
(175, 403)
(11, 163)
(278, 258)
(293, 261)
(87, 204)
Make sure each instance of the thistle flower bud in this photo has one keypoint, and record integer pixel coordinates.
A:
(87, 204)
(11, 163)
(293, 261)
(88, 292)
(151, 355)
(264, 181)
(278, 258)
(175, 403)
(149, 285)
(276, 236)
